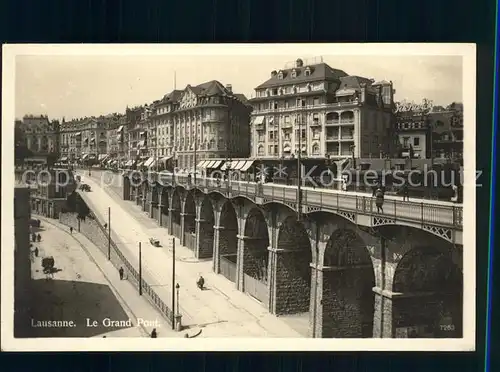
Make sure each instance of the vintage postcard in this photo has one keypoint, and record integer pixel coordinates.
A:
(239, 197)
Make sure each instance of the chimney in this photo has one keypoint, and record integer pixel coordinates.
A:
(229, 88)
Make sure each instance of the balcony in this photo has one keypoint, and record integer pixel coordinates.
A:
(339, 122)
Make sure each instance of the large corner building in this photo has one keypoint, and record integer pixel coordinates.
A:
(322, 111)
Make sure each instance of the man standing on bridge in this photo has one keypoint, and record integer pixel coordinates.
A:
(121, 273)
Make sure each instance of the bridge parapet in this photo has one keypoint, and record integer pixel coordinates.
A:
(436, 213)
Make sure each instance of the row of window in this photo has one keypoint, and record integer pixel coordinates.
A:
(274, 150)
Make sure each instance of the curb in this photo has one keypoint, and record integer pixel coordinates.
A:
(117, 293)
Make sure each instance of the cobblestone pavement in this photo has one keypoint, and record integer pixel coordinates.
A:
(220, 311)
(77, 291)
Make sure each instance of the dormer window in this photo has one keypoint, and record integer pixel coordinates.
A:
(307, 72)
(294, 73)
(280, 75)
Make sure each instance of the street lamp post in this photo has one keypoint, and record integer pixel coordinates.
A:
(177, 286)
(109, 233)
(140, 270)
(173, 281)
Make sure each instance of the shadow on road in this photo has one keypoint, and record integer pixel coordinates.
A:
(56, 300)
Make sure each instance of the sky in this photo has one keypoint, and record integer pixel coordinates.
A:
(73, 86)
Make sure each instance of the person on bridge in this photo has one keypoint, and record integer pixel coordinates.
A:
(120, 271)
(379, 200)
(36, 251)
(71, 230)
(406, 192)
(153, 333)
(39, 237)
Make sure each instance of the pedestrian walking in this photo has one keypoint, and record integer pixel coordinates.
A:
(379, 200)
(33, 237)
(71, 230)
(406, 192)
(153, 333)
(36, 251)
(39, 237)
(121, 273)
(105, 226)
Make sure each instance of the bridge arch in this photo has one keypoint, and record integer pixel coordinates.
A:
(228, 242)
(207, 222)
(256, 255)
(293, 260)
(348, 280)
(176, 213)
(430, 286)
(189, 221)
(165, 205)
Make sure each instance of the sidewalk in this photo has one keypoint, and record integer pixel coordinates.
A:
(221, 310)
(137, 306)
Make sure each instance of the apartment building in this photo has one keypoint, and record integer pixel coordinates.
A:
(320, 111)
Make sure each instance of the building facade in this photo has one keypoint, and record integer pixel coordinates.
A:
(447, 133)
(322, 111)
(413, 125)
(84, 139)
(41, 135)
(136, 128)
(426, 131)
(201, 122)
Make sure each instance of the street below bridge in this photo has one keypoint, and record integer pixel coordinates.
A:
(220, 310)
(77, 290)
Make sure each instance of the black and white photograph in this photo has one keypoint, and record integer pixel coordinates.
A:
(266, 196)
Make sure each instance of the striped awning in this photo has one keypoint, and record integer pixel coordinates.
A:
(258, 120)
(120, 128)
(239, 165)
(216, 164)
(148, 162)
(247, 165)
(202, 164)
(103, 157)
(84, 157)
(129, 163)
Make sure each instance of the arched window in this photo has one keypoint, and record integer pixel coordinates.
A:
(315, 149)
(260, 150)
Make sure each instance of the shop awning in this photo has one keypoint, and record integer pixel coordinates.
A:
(92, 156)
(230, 165)
(78, 134)
(149, 161)
(120, 128)
(103, 157)
(216, 164)
(152, 164)
(405, 154)
(287, 149)
(247, 165)
(141, 143)
(239, 164)
(202, 164)
(258, 120)
(141, 163)
(64, 158)
(166, 158)
(86, 140)
(84, 157)
(129, 163)
(142, 133)
(210, 163)
(271, 120)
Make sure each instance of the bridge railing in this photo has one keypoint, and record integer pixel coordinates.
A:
(396, 210)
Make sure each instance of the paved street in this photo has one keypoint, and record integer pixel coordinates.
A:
(79, 290)
(220, 311)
